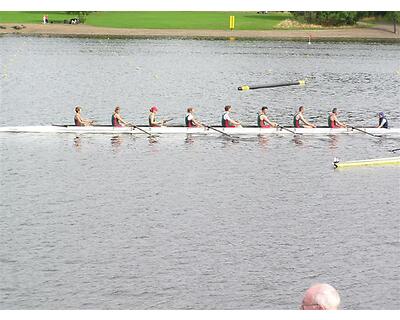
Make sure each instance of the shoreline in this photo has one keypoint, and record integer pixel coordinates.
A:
(381, 33)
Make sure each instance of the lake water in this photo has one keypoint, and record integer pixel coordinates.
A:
(198, 222)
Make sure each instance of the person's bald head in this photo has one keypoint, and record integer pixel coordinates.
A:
(321, 296)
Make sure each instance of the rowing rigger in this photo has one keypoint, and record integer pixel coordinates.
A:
(104, 129)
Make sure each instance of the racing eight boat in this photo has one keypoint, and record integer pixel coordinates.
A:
(106, 129)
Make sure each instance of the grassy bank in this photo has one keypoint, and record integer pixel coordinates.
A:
(159, 20)
(32, 16)
(186, 20)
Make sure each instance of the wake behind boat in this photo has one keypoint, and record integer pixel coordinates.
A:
(250, 130)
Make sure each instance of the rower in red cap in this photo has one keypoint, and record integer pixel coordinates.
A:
(152, 118)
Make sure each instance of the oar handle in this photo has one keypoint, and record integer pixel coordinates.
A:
(279, 126)
(140, 129)
(224, 133)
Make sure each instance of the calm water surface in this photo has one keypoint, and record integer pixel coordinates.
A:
(194, 222)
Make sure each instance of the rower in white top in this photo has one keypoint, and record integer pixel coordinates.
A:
(190, 120)
(226, 120)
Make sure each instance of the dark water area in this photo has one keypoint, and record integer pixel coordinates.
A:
(195, 222)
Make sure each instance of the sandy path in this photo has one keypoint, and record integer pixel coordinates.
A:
(377, 33)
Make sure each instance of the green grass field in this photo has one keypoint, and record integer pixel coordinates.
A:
(186, 20)
(159, 19)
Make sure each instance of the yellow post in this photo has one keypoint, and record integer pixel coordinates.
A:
(232, 22)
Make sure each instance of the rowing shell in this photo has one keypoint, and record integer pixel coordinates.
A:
(103, 129)
(368, 162)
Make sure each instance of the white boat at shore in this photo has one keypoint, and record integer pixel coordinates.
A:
(105, 129)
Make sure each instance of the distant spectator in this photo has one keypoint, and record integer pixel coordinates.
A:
(74, 21)
(321, 296)
(44, 19)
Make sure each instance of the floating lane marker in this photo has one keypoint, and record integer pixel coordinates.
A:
(367, 162)
(296, 83)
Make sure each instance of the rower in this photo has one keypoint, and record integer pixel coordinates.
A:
(190, 121)
(263, 121)
(333, 121)
(383, 123)
(116, 119)
(152, 118)
(226, 120)
(79, 121)
(299, 117)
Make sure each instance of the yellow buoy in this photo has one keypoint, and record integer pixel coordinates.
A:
(232, 22)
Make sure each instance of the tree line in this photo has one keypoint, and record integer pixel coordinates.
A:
(340, 18)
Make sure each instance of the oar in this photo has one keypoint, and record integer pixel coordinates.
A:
(224, 133)
(371, 134)
(291, 131)
(246, 87)
(168, 120)
(140, 129)
(394, 150)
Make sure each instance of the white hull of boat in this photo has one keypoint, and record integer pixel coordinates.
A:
(185, 130)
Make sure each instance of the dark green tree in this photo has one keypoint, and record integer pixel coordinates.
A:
(393, 16)
(328, 18)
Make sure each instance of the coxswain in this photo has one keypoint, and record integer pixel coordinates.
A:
(383, 123)
(152, 118)
(333, 121)
(190, 121)
(226, 120)
(300, 122)
(116, 119)
(79, 121)
(263, 121)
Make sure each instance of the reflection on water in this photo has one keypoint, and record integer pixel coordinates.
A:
(116, 142)
(297, 139)
(263, 141)
(189, 138)
(333, 141)
(78, 143)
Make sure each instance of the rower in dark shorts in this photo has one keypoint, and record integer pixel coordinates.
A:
(300, 122)
(333, 121)
(383, 123)
(263, 121)
(116, 118)
(79, 121)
